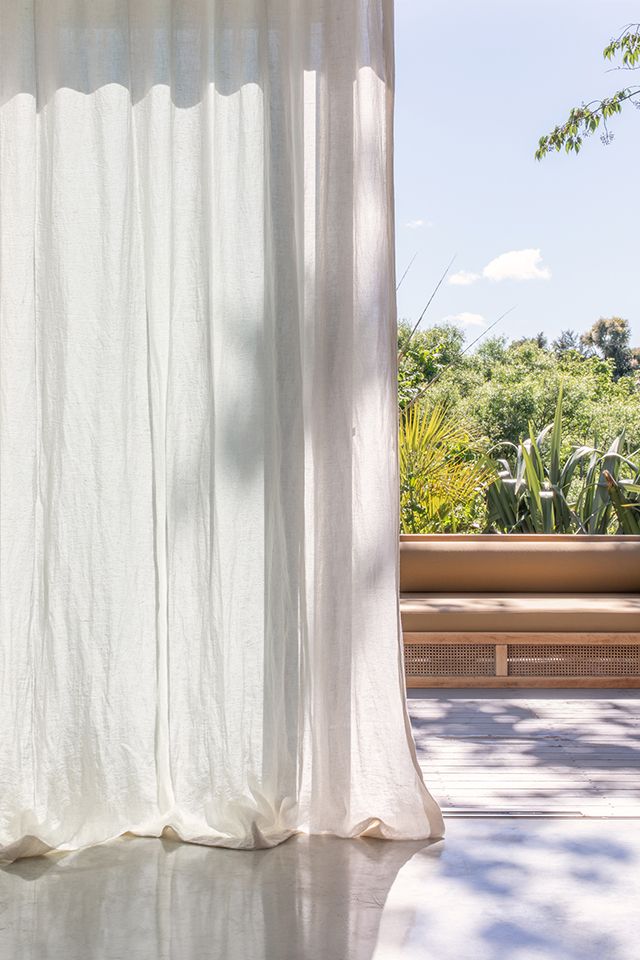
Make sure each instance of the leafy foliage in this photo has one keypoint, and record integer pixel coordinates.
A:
(590, 492)
(501, 387)
(626, 502)
(567, 341)
(443, 474)
(492, 397)
(585, 120)
(423, 355)
(611, 337)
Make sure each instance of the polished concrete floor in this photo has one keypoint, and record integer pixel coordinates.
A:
(503, 885)
(493, 890)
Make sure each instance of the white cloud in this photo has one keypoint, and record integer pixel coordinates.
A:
(463, 278)
(517, 265)
(417, 224)
(467, 319)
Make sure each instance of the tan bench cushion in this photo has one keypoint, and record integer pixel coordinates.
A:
(525, 612)
(520, 564)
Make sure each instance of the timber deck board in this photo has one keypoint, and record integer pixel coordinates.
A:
(494, 752)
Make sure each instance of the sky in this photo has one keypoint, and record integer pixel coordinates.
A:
(477, 83)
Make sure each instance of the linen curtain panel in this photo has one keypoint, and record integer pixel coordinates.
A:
(198, 425)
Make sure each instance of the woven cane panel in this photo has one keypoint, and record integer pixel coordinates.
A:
(450, 660)
(573, 660)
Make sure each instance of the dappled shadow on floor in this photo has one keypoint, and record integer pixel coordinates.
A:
(578, 753)
(519, 890)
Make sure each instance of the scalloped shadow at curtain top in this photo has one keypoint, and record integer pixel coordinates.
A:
(186, 45)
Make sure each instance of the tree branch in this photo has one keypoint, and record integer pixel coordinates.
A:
(583, 121)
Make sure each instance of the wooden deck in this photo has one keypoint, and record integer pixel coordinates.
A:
(503, 753)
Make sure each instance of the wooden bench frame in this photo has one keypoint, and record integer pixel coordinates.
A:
(466, 667)
(502, 641)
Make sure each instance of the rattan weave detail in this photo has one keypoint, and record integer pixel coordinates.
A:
(450, 660)
(573, 660)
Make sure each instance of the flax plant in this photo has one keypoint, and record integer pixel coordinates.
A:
(591, 492)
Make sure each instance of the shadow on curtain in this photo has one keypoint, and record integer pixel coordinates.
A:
(198, 443)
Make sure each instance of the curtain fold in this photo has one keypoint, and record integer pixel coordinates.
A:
(198, 468)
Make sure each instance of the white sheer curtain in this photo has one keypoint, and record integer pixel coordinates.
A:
(198, 422)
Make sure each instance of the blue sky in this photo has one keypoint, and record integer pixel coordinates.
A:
(477, 83)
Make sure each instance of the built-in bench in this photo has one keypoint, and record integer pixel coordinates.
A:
(520, 611)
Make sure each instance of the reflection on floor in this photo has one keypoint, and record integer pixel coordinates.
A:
(560, 752)
(493, 890)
